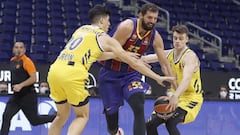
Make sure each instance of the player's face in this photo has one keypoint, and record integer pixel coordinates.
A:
(19, 49)
(106, 23)
(149, 20)
(179, 40)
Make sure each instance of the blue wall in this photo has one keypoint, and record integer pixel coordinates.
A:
(215, 118)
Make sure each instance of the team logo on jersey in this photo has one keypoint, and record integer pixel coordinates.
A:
(145, 41)
(18, 66)
(134, 37)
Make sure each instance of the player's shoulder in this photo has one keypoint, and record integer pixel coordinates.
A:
(27, 59)
(191, 53)
(103, 35)
(127, 24)
(103, 38)
(128, 20)
(190, 56)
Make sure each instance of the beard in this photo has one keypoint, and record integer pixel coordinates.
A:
(146, 26)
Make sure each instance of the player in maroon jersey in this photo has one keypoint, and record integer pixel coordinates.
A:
(118, 81)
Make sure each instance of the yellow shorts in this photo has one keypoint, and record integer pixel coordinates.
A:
(192, 106)
(67, 83)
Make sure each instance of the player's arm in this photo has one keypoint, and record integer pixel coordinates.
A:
(30, 68)
(107, 55)
(111, 55)
(110, 44)
(152, 58)
(121, 34)
(27, 82)
(159, 50)
(190, 65)
(124, 31)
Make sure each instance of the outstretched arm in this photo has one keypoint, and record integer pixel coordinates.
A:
(159, 50)
(112, 45)
(111, 55)
(152, 58)
(107, 55)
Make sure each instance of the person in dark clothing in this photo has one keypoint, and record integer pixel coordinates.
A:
(23, 76)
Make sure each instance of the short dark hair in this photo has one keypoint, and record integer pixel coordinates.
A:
(97, 12)
(148, 7)
(180, 28)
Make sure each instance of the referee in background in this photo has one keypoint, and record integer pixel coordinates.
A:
(23, 76)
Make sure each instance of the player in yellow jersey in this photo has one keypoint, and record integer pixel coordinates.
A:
(187, 99)
(68, 74)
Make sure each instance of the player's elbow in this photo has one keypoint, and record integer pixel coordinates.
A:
(33, 78)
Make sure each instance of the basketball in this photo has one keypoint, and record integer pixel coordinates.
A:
(160, 105)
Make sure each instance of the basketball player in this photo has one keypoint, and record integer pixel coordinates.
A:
(69, 73)
(118, 81)
(187, 99)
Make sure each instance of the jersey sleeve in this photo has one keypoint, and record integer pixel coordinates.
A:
(29, 66)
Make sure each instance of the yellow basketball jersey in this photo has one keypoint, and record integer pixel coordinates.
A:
(191, 100)
(83, 48)
(195, 87)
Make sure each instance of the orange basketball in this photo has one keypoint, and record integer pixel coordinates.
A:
(160, 105)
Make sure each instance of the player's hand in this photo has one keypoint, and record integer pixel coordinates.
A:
(134, 55)
(173, 101)
(17, 87)
(162, 80)
(145, 62)
(131, 54)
